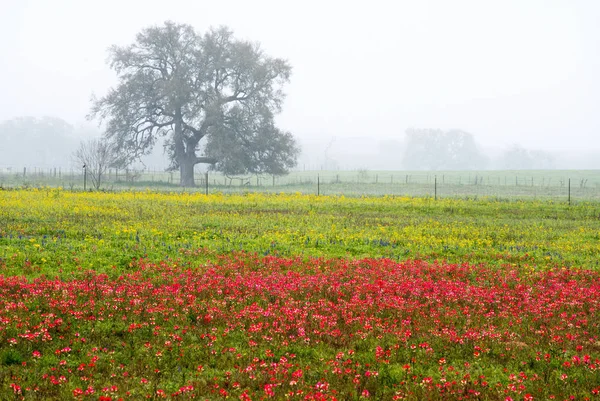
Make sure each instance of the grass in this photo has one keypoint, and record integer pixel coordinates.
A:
(536, 184)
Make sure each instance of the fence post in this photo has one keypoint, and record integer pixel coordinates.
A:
(318, 185)
(84, 177)
(206, 183)
(569, 192)
(435, 187)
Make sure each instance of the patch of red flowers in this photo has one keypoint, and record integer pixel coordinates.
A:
(253, 328)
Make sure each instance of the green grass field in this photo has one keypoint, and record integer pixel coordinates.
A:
(535, 184)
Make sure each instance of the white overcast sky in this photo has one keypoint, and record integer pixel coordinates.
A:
(522, 71)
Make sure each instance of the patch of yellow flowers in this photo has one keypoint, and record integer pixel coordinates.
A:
(534, 233)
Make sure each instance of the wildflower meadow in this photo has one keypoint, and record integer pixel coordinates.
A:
(148, 295)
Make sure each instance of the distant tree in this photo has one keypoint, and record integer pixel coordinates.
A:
(184, 86)
(97, 156)
(543, 160)
(434, 149)
(517, 157)
(32, 141)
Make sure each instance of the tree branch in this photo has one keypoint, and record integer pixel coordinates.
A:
(205, 159)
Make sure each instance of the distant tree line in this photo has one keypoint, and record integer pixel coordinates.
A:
(434, 150)
(53, 142)
(45, 141)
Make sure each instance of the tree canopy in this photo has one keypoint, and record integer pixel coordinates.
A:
(178, 84)
(430, 149)
(41, 142)
(517, 157)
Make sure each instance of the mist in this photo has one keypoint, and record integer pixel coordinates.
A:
(517, 76)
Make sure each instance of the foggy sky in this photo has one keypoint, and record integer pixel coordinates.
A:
(522, 71)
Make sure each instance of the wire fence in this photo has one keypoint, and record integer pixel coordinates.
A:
(564, 185)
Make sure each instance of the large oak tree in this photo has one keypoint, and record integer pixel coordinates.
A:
(176, 83)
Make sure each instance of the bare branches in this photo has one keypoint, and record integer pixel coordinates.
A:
(97, 156)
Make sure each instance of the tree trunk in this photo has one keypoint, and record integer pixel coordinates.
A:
(185, 152)
(184, 159)
(186, 172)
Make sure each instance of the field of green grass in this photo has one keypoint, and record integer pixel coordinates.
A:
(534, 184)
